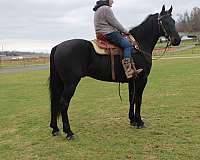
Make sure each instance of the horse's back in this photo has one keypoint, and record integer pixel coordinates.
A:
(72, 47)
(72, 57)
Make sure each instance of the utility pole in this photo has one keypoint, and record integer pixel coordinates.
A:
(0, 55)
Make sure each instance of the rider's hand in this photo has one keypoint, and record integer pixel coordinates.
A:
(127, 33)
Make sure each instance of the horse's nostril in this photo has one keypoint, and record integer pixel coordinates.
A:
(178, 40)
(175, 40)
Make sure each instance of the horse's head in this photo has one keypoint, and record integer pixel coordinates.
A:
(167, 26)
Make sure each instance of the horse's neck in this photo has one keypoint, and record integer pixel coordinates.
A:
(147, 34)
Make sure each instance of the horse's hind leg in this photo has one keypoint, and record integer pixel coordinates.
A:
(53, 124)
(68, 92)
(55, 106)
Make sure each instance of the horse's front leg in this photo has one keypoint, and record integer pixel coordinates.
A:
(138, 102)
(131, 87)
(138, 120)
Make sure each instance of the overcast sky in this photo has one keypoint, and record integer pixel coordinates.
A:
(38, 25)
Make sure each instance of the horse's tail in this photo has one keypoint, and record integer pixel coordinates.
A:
(55, 86)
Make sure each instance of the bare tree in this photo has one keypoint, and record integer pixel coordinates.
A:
(195, 19)
(189, 22)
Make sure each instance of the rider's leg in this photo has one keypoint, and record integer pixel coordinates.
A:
(129, 67)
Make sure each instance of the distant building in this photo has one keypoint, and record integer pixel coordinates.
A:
(186, 37)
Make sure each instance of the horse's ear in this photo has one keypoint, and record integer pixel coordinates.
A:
(170, 10)
(163, 10)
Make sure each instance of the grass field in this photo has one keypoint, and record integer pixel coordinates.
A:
(171, 111)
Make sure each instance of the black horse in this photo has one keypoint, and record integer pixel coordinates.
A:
(71, 60)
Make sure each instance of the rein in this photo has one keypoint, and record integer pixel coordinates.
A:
(145, 54)
(162, 54)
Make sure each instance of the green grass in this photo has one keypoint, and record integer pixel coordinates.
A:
(171, 111)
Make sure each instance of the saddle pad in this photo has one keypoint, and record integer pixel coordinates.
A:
(97, 49)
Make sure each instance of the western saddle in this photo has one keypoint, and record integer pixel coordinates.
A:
(103, 47)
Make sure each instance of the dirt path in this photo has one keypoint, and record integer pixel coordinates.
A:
(184, 48)
(191, 57)
(23, 68)
(173, 49)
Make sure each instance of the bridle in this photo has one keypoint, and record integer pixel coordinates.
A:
(161, 28)
(161, 25)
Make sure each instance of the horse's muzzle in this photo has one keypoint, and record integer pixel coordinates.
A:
(175, 39)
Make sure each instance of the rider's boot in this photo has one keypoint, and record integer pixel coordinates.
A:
(129, 68)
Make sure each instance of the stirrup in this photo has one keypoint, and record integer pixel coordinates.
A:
(136, 71)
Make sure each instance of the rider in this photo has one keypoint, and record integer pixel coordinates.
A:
(107, 25)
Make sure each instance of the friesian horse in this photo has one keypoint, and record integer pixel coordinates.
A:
(74, 59)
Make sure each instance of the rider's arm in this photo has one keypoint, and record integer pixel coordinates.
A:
(110, 17)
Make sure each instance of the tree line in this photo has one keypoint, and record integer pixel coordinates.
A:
(189, 22)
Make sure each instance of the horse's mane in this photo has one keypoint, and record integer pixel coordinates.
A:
(142, 24)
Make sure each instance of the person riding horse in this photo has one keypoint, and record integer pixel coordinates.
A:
(74, 59)
(109, 27)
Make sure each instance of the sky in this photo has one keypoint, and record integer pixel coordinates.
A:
(38, 25)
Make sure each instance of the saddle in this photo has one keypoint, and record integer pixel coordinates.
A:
(103, 47)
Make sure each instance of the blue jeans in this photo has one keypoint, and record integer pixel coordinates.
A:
(117, 39)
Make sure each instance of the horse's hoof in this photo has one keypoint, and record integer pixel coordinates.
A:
(56, 133)
(141, 126)
(133, 124)
(70, 137)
